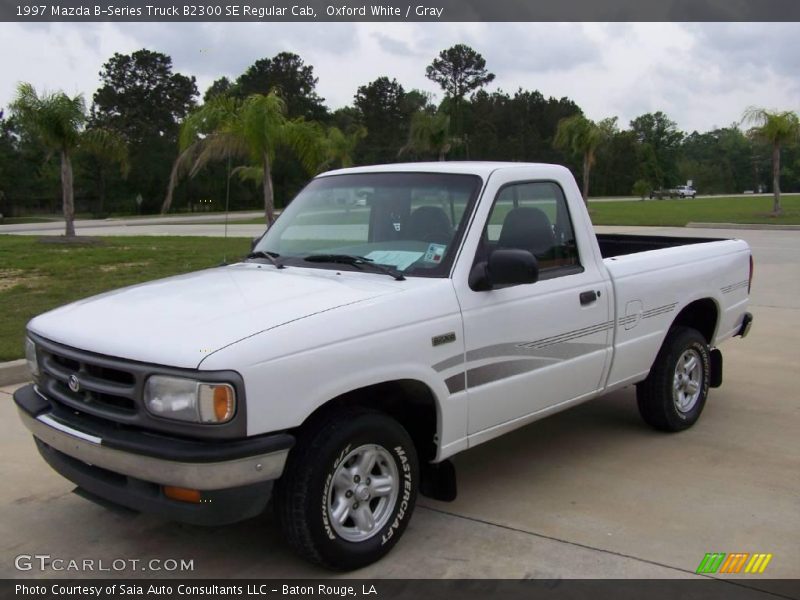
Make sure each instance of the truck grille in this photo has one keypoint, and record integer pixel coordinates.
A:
(111, 389)
(98, 386)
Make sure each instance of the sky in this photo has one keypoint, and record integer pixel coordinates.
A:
(702, 75)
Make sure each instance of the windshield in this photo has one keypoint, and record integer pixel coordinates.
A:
(412, 222)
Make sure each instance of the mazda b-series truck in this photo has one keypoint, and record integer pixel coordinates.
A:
(392, 317)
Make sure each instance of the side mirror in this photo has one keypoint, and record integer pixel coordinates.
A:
(506, 267)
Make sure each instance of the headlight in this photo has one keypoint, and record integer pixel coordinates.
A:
(189, 400)
(30, 357)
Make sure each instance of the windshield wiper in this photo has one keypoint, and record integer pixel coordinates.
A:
(270, 256)
(356, 261)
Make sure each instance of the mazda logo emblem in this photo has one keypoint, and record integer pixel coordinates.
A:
(74, 384)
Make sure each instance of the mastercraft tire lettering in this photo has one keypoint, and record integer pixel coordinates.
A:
(406, 496)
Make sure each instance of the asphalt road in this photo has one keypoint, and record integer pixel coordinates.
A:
(588, 493)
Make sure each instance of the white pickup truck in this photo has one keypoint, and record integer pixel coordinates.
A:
(682, 191)
(362, 344)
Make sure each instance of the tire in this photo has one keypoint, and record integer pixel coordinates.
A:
(674, 393)
(308, 499)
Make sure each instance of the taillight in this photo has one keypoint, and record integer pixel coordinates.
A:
(750, 279)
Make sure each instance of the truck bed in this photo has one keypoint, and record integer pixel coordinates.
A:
(616, 244)
(650, 289)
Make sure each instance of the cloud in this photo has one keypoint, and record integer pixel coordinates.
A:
(759, 46)
(701, 74)
(535, 48)
(395, 46)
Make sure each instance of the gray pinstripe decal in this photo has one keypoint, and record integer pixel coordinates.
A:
(502, 370)
(449, 363)
(571, 335)
(661, 310)
(734, 286)
(456, 383)
(525, 348)
(514, 366)
(522, 357)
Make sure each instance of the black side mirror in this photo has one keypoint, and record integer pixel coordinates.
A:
(505, 267)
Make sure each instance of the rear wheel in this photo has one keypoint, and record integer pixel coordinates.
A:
(674, 394)
(348, 489)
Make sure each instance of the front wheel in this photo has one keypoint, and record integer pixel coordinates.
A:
(348, 489)
(674, 393)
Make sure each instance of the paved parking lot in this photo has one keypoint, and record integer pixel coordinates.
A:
(587, 493)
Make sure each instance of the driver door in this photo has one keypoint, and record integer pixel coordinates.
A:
(534, 346)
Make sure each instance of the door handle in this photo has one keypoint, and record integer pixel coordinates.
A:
(588, 297)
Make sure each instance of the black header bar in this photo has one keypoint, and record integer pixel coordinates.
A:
(399, 10)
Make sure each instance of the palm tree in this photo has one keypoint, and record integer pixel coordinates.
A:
(776, 128)
(583, 136)
(430, 134)
(57, 120)
(338, 147)
(253, 129)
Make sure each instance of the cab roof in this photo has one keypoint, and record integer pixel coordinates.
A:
(481, 168)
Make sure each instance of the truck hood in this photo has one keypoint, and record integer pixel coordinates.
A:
(180, 320)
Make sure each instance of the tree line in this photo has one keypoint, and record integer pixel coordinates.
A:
(148, 143)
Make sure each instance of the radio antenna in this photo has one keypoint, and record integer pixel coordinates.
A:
(227, 205)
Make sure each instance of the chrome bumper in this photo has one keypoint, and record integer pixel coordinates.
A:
(200, 475)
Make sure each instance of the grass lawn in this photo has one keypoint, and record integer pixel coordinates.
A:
(677, 213)
(37, 274)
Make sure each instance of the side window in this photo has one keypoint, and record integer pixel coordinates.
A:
(534, 217)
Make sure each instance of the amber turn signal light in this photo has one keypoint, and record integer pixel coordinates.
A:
(182, 494)
(223, 403)
(216, 402)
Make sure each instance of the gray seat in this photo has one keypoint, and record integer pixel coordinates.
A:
(527, 228)
(429, 224)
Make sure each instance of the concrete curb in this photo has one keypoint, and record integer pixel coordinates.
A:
(744, 226)
(13, 372)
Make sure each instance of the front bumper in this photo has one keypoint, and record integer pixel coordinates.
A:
(128, 467)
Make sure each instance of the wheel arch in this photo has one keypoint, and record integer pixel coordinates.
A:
(409, 401)
(702, 315)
